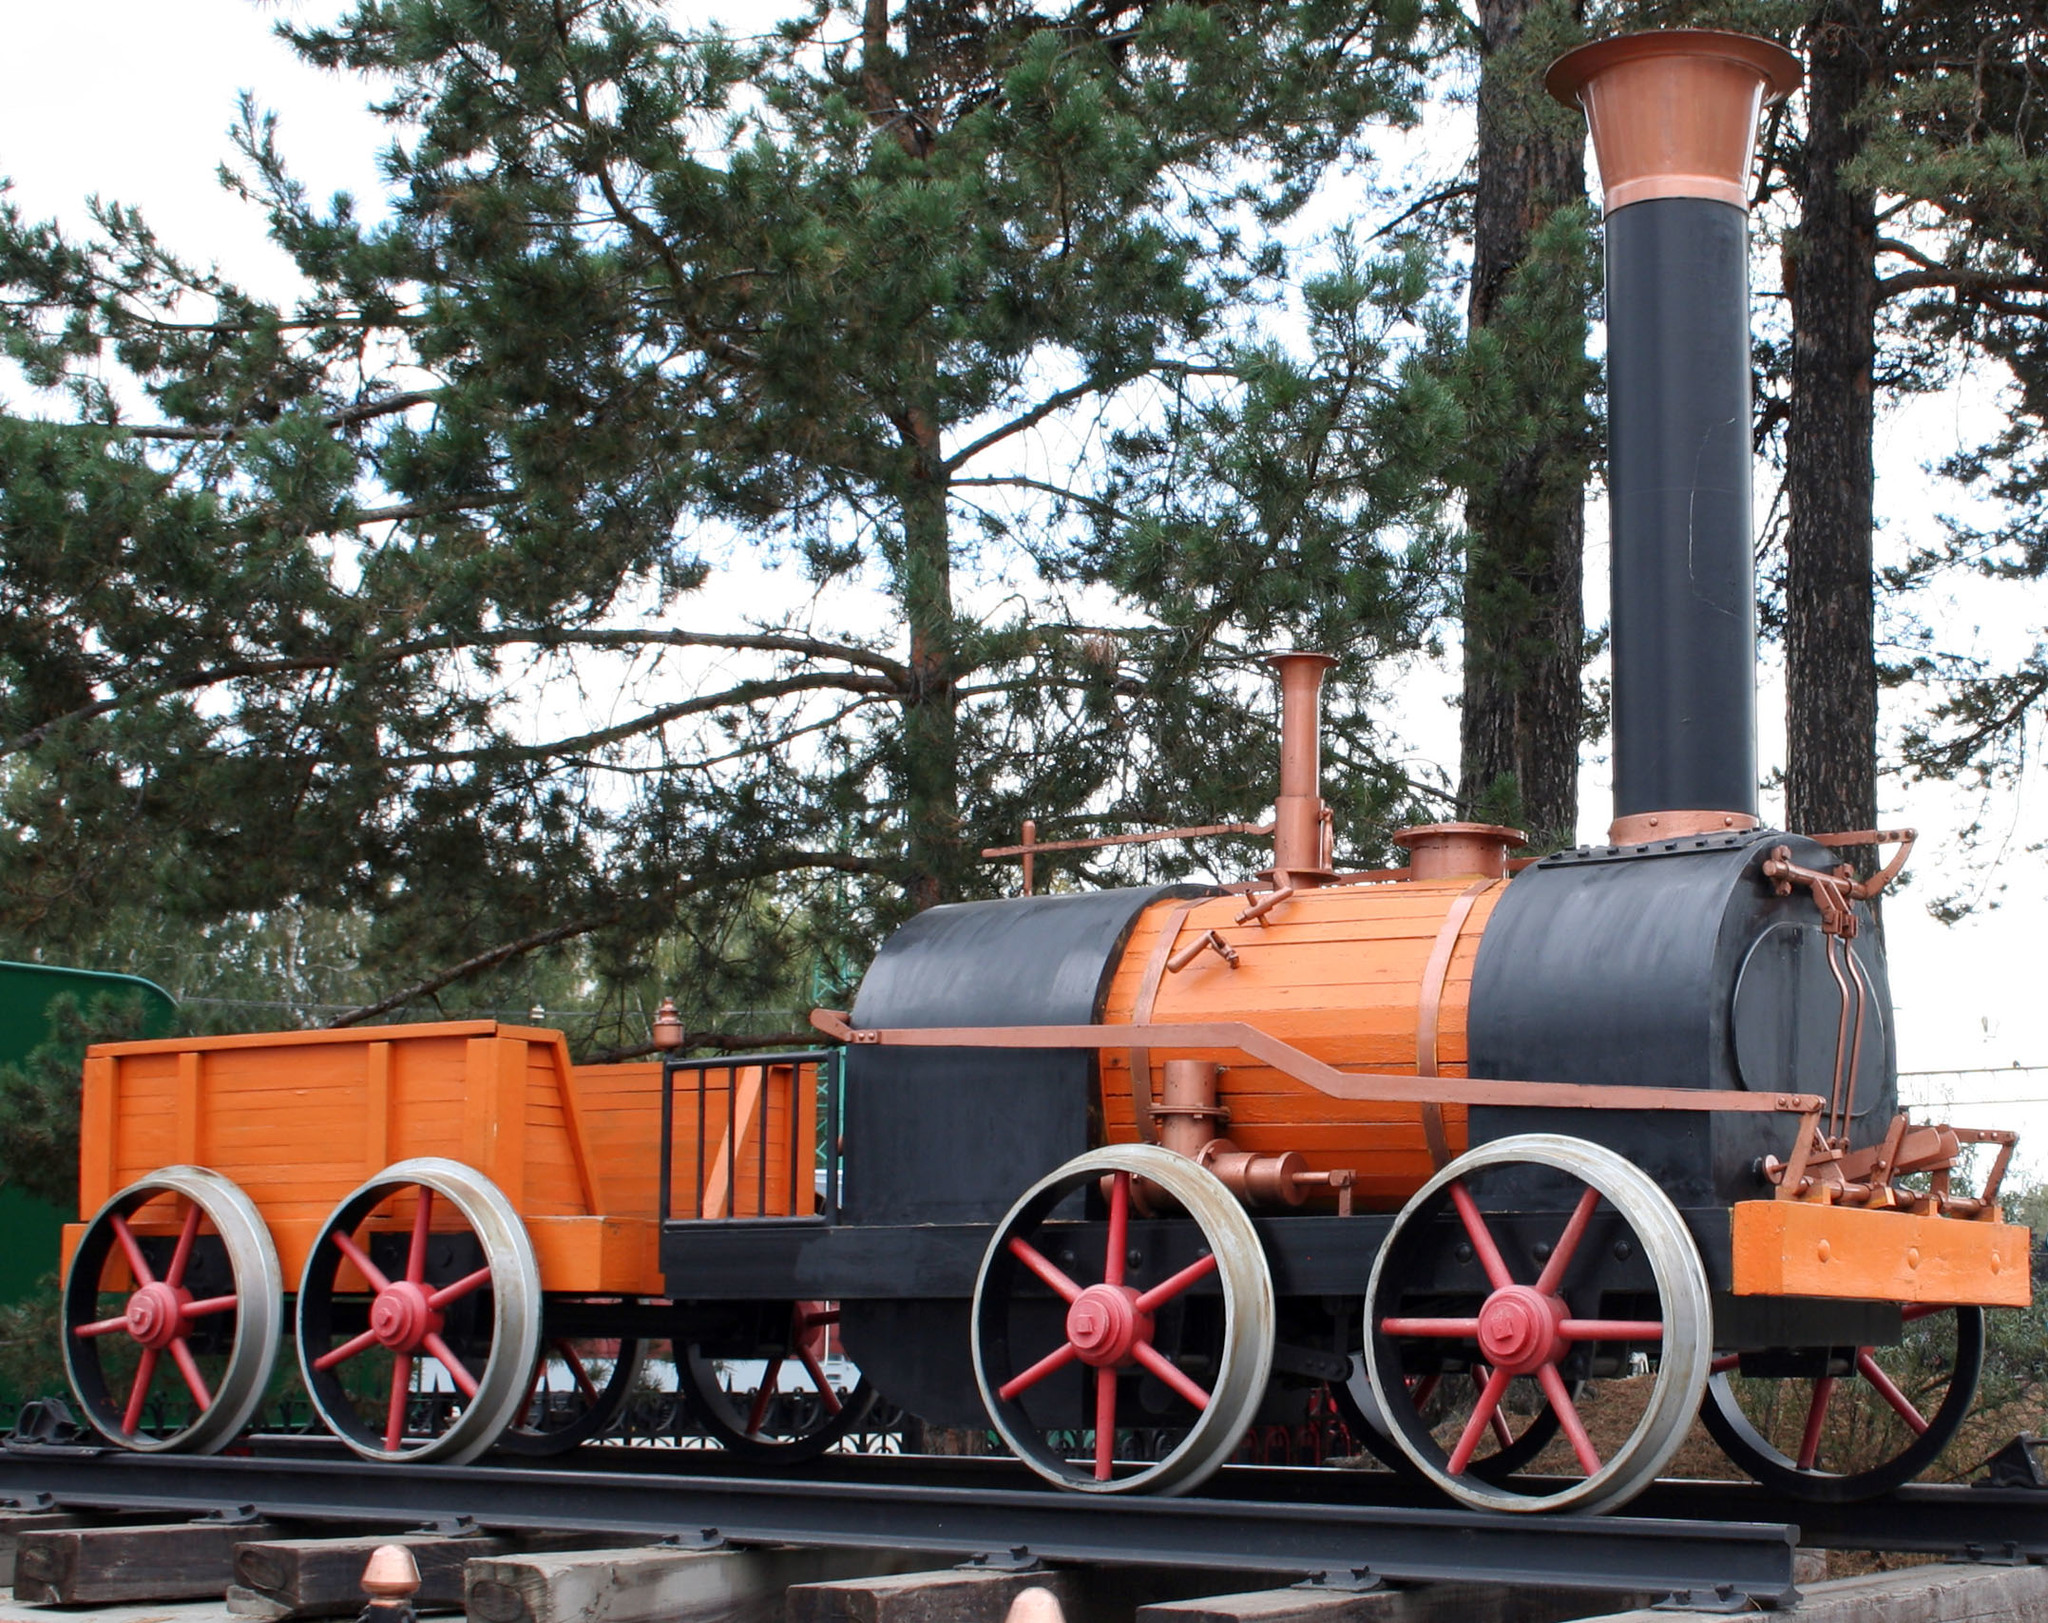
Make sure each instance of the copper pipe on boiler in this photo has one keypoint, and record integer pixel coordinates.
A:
(1191, 1120)
(1299, 814)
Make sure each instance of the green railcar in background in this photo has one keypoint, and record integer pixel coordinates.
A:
(29, 1228)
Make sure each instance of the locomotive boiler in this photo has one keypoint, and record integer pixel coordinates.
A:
(1530, 1162)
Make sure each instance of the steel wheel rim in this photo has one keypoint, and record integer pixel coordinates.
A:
(1681, 1286)
(258, 1306)
(515, 1294)
(741, 1429)
(602, 1403)
(1744, 1444)
(1246, 1349)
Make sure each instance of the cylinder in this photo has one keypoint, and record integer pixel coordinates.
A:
(1674, 118)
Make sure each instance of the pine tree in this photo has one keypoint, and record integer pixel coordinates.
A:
(279, 582)
(1531, 439)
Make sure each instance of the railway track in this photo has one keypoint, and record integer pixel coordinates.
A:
(1332, 1527)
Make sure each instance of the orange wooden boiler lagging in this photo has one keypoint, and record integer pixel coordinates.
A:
(1347, 973)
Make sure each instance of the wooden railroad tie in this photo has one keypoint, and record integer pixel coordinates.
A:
(955, 1596)
(72, 1566)
(322, 1577)
(660, 1584)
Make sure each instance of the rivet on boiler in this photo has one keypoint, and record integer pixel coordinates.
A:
(1912, 1256)
(1823, 1251)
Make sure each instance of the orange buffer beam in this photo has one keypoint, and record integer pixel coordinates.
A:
(1801, 1248)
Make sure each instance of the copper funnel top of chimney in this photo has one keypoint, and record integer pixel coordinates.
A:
(1674, 114)
(1301, 855)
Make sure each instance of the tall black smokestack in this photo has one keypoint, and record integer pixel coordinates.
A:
(1674, 119)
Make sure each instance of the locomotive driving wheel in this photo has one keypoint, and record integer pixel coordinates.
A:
(1610, 1290)
(1835, 1425)
(1077, 1349)
(764, 1423)
(200, 1298)
(417, 1338)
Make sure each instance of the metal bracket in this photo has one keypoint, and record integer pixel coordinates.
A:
(1355, 1581)
(451, 1527)
(2005, 1554)
(46, 1421)
(1319, 1362)
(2017, 1465)
(706, 1538)
(229, 1516)
(1721, 1598)
(29, 1502)
(1017, 1558)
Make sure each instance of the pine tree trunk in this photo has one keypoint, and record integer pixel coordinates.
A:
(1524, 618)
(931, 745)
(934, 864)
(1830, 664)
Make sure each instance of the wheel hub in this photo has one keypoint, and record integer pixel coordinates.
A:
(1104, 1324)
(156, 1314)
(400, 1318)
(1520, 1329)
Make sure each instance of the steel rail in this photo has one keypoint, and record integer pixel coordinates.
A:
(1949, 1519)
(1281, 1536)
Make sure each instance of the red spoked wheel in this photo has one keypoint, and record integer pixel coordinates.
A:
(766, 1421)
(1833, 1425)
(1088, 1339)
(173, 1305)
(419, 1314)
(576, 1392)
(1474, 1282)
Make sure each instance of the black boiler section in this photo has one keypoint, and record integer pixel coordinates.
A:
(1674, 964)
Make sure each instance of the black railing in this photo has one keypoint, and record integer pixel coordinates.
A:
(761, 1137)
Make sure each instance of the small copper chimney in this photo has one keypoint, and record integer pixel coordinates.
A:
(1299, 815)
(1674, 121)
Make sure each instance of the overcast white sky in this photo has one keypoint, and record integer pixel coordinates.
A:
(131, 99)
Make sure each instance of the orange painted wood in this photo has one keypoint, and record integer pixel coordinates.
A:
(299, 1119)
(1338, 973)
(1801, 1248)
(376, 1107)
(99, 1150)
(190, 1114)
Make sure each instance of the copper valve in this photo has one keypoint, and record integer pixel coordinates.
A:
(668, 1026)
(1207, 941)
(1190, 1118)
(1256, 913)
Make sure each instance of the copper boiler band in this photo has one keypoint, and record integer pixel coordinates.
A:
(1643, 828)
(1148, 997)
(1429, 1010)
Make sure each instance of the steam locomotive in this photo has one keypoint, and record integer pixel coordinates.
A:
(1529, 1162)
